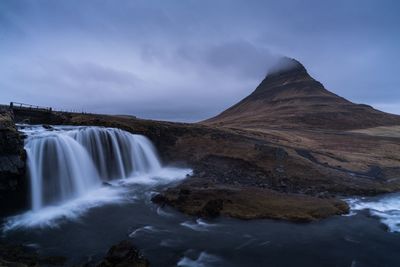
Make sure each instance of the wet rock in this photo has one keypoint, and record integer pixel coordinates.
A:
(107, 184)
(124, 254)
(212, 208)
(53, 260)
(17, 255)
(48, 127)
(13, 181)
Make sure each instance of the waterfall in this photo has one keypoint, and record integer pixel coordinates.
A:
(66, 162)
(59, 169)
(117, 153)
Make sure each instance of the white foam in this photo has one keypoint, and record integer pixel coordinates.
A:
(162, 176)
(147, 228)
(53, 216)
(265, 243)
(203, 260)
(162, 212)
(170, 243)
(386, 208)
(245, 244)
(199, 225)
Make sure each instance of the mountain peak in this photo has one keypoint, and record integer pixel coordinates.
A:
(288, 79)
(286, 65)
(290, 97)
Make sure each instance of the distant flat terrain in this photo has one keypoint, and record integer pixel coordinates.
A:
(384, 131)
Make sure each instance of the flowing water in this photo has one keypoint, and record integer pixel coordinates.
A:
(67, 162)
(91, 188)
(386, 208)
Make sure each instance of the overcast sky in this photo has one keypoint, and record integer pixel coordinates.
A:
(188, 60)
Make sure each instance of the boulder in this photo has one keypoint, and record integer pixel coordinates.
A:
(124, 254)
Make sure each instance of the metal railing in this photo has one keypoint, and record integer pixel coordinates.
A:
(17, 105)
(28, 107)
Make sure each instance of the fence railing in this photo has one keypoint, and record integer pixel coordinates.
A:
(17, 105)
(28, 107)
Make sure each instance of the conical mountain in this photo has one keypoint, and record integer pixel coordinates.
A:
(289, 97)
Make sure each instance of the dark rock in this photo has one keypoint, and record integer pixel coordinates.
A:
(107, 184)
(280, 154)
(184, 191)
(13, 182)
(124, 254)
(376, 172)
(40, 117)
(159, 199)
(22, 256)
(53, 260)
(306, 154)
(48, 127)
(212, 208)
(229, 170)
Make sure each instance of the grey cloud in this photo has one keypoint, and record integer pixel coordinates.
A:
(245, 58)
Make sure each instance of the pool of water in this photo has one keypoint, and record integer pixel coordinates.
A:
(169, 238)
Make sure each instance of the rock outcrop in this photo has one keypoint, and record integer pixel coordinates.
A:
(124, 254)
(249, 203)
(13, 182)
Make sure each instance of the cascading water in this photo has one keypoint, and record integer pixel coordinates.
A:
(66, 162)
(59, 169)
(117, 153)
